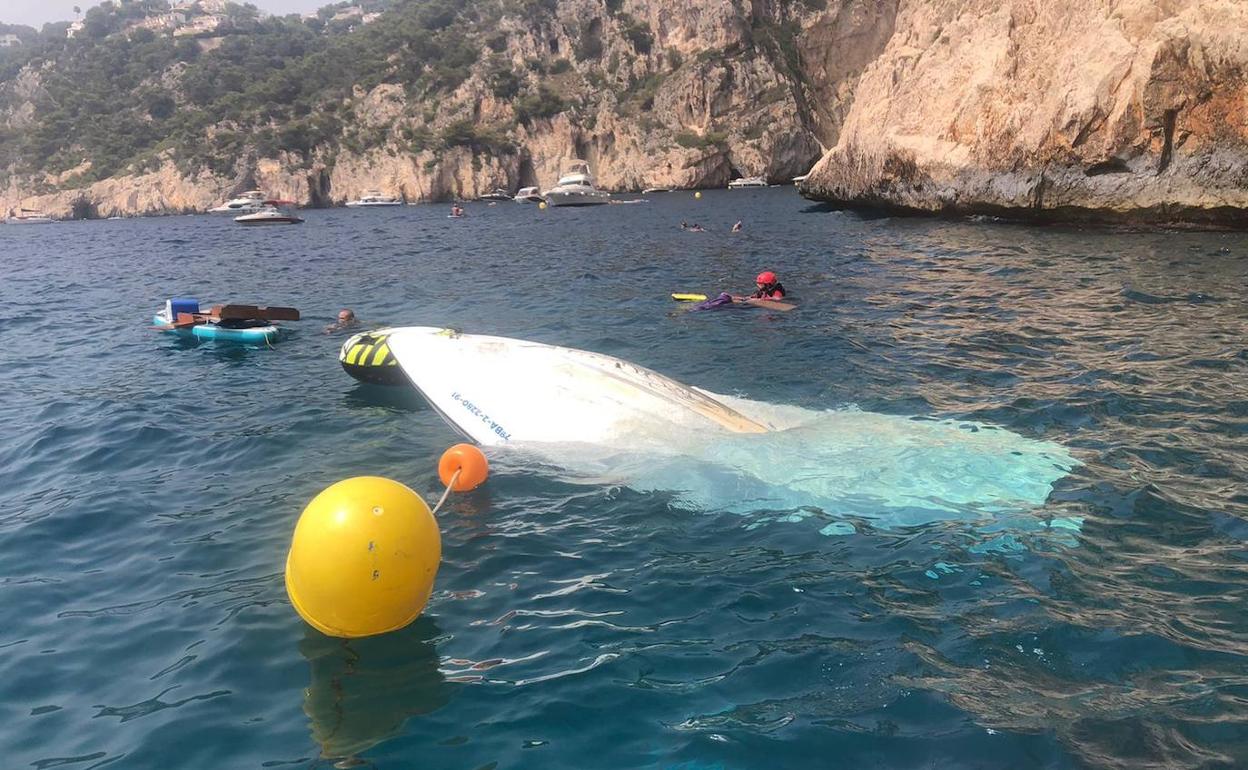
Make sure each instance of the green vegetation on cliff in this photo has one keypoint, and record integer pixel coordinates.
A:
(117, 95)
(140, 83)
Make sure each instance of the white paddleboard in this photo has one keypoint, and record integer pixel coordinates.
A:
(497, 390)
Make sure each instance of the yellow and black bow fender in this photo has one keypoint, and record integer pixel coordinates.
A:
(367, 358)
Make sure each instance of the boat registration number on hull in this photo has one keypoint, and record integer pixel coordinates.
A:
(476, 411)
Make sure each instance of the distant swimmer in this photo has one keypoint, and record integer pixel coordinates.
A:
(346, 320)
(768, 286)
(737, 227)
(683, 224)
(457, 210)
(696, 228)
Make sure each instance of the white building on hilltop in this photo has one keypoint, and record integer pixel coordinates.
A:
(9, 41)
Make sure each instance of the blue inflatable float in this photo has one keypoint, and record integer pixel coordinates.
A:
(246, 330)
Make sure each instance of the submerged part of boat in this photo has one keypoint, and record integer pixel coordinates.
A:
(606, 420)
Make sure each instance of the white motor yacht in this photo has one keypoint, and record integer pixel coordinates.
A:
(252, 200)
(529, 195)
(653, 190)
(374, 198)
(28, 217)
(748, 181)
(269, 215)
(576, 188)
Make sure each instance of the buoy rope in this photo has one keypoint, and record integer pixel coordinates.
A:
(449, 487)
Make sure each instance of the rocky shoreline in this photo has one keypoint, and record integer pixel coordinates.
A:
(1125, 113)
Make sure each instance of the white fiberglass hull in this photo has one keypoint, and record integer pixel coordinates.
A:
(243, 209)
(585, 197)
(268, 218)
(487, 388)
(370, 204)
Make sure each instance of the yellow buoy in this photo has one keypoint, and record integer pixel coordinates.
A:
(363, 558)
(542, 205)
(698, 195)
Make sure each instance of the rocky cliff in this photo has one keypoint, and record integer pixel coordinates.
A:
(672, 93)
(1109, 110)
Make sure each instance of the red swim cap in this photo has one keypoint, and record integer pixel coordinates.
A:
(766, 277)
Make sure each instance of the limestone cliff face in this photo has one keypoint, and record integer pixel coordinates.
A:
(1117, 110)
(706, 100)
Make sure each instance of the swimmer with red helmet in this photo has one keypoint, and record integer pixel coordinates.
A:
(768, 286)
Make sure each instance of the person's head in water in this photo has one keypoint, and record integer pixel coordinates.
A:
(346, 319)
(768, 286)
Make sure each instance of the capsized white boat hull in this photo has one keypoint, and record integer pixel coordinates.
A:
(497, 390)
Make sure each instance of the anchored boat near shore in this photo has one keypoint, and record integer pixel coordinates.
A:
(529, 195)
(252, 200)
(270, 214)
(373, 198)
(576, 188)
(28, 217)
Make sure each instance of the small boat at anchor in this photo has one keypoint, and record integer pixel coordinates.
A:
(252, 200)
(269, 215)
(748, 181)
(374, 198)
(529, 195)
(576, 188)
(28, 217)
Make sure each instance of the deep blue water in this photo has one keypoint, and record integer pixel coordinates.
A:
(149, 488)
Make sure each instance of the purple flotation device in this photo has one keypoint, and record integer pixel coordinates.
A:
(723, 300)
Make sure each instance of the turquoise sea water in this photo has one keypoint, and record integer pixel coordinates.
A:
(653, 616)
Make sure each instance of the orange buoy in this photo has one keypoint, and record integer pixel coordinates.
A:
(466, 460)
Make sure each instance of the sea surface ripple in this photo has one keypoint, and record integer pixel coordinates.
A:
(149, 488)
